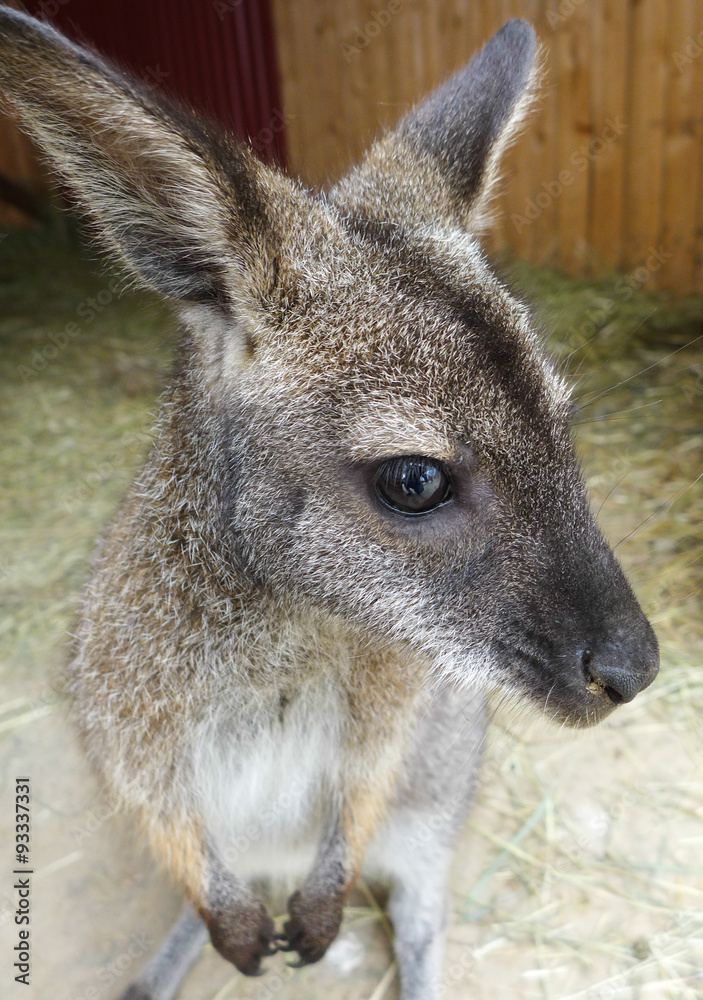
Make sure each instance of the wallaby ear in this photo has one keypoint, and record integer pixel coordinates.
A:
(185, 206)
(440, 161)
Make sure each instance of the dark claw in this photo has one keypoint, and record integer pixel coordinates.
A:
(312, 927)
(299, 964)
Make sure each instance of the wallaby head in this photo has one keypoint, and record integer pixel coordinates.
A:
(374, 413)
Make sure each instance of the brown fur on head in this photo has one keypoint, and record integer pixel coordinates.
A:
(328, 333)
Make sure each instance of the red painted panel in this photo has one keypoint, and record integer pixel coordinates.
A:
(216, 55)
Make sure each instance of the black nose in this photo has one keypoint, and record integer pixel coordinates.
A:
(620, 682)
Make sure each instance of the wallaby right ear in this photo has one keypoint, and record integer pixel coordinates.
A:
(439, 163)
(185, 206)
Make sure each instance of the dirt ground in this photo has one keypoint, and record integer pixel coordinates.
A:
(579, 872)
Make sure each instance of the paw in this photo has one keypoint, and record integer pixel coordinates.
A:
(243, 935)
(313, 926)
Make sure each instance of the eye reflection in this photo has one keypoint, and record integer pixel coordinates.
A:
(412, 484)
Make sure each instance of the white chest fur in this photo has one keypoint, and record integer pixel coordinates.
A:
(264, 774)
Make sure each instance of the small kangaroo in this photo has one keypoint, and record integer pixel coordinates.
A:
(361, 511)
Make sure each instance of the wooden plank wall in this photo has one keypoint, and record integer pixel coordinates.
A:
(621, 113)
(620, 117)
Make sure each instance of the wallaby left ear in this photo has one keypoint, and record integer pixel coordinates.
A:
(189, 210)
(439, 163)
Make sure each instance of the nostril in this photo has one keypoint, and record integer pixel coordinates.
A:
(618, 684)
(615, 696)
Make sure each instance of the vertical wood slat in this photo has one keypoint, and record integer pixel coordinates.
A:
(539, 146)
(610, 58)
(607, 62)
(698, 232)
(290, 71)
(358, 103)
(650, 62)
(570, 189)
(517, 173)
(682, 147)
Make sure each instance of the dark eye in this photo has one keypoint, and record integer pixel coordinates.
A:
(413, 484)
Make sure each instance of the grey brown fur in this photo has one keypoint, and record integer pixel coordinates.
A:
(264, 646)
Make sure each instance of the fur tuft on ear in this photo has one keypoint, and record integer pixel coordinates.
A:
(440, 162)
(185, 207)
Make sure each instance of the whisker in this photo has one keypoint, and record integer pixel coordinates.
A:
(642, 371)
(665, 506)
(622, 343)
(581, 346)
(676, 569)
(634, 563)
(610, 491)
(617, 413)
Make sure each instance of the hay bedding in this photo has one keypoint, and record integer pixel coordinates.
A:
(580, 871)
